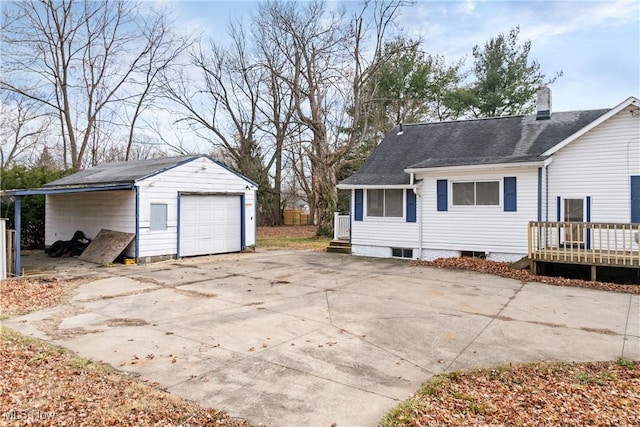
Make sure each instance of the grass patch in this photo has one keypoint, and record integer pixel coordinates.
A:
(625, 363)
(296, 243)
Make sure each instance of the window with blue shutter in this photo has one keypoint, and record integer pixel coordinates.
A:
(411, 206)
(510, 194)
(359, 196)
(442, 196)
(635, 199)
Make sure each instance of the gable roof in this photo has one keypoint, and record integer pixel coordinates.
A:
(499, 140)
(119, 172)
(129, 172)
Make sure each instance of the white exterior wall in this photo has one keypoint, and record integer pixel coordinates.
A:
(200, 175)
(502, 235)
(598, 164)
(375, 236)
(89, 212)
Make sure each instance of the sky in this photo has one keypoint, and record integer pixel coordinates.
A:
(596, 44)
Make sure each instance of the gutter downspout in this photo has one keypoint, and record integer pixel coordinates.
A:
(416, 191)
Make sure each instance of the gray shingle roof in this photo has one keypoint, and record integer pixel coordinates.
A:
(119, 172)
(513, 139)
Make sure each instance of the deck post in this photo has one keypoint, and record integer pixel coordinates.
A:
(593, 272)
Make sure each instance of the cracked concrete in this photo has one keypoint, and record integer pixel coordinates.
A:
(306, 338)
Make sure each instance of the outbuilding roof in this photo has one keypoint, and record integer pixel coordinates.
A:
(119, 172)
(499, 140)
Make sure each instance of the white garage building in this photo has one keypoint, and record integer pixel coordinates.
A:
(176, 207)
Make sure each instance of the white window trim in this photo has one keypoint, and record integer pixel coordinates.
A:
(385, 218)
(475, 206)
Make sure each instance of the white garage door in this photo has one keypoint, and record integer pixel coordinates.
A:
(209, 224)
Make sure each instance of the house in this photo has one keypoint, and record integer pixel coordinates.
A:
(175, 206)
(472, 187)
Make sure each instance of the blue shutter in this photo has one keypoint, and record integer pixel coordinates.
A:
(635, 199)
(411, 206)
(442, 197)
(359, 205)
(540, 194)
(558, 203)
(510, 194)
(588, 220)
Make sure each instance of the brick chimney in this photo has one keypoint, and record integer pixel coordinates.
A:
(543, 104)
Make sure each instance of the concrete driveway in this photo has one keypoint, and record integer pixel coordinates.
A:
(307, 338)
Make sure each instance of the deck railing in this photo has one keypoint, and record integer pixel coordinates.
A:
(593, 243)
(341, 227)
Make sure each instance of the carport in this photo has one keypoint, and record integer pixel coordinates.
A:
(17, 196)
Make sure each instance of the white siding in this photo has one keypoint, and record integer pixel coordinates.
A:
(598, 164)
(479, 228)
(375, 236)
(90, 212)
(200, 175)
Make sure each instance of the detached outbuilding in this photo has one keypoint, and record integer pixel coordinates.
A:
(175, 206)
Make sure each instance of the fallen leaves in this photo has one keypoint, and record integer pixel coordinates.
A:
(26, 294)
(601, 393)
(503, 269)
(46, 385)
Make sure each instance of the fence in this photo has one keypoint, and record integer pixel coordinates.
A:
(296, 217)
(7, 253)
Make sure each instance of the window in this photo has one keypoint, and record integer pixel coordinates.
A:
(401, 253)
(480, 193)
(385, 203)
(158, 220)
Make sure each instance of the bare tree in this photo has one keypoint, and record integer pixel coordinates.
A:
(164, 48)
(277, 107)
(220, 103)
(77, 59)
(23, 130)
(328, 66)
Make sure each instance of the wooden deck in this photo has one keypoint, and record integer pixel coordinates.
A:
(585, 243)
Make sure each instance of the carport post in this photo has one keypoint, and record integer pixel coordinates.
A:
(17, 214)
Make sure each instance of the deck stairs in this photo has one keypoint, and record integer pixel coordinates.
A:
(339, 246)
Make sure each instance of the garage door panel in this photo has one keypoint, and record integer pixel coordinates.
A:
(210, 224)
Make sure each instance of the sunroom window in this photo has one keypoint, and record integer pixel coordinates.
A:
(478, 193)
(385, 203)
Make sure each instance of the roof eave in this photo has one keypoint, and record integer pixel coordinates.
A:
(373, 186)
(507, 165)
(68, 189)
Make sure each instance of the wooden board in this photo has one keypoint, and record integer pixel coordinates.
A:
(106, 246)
